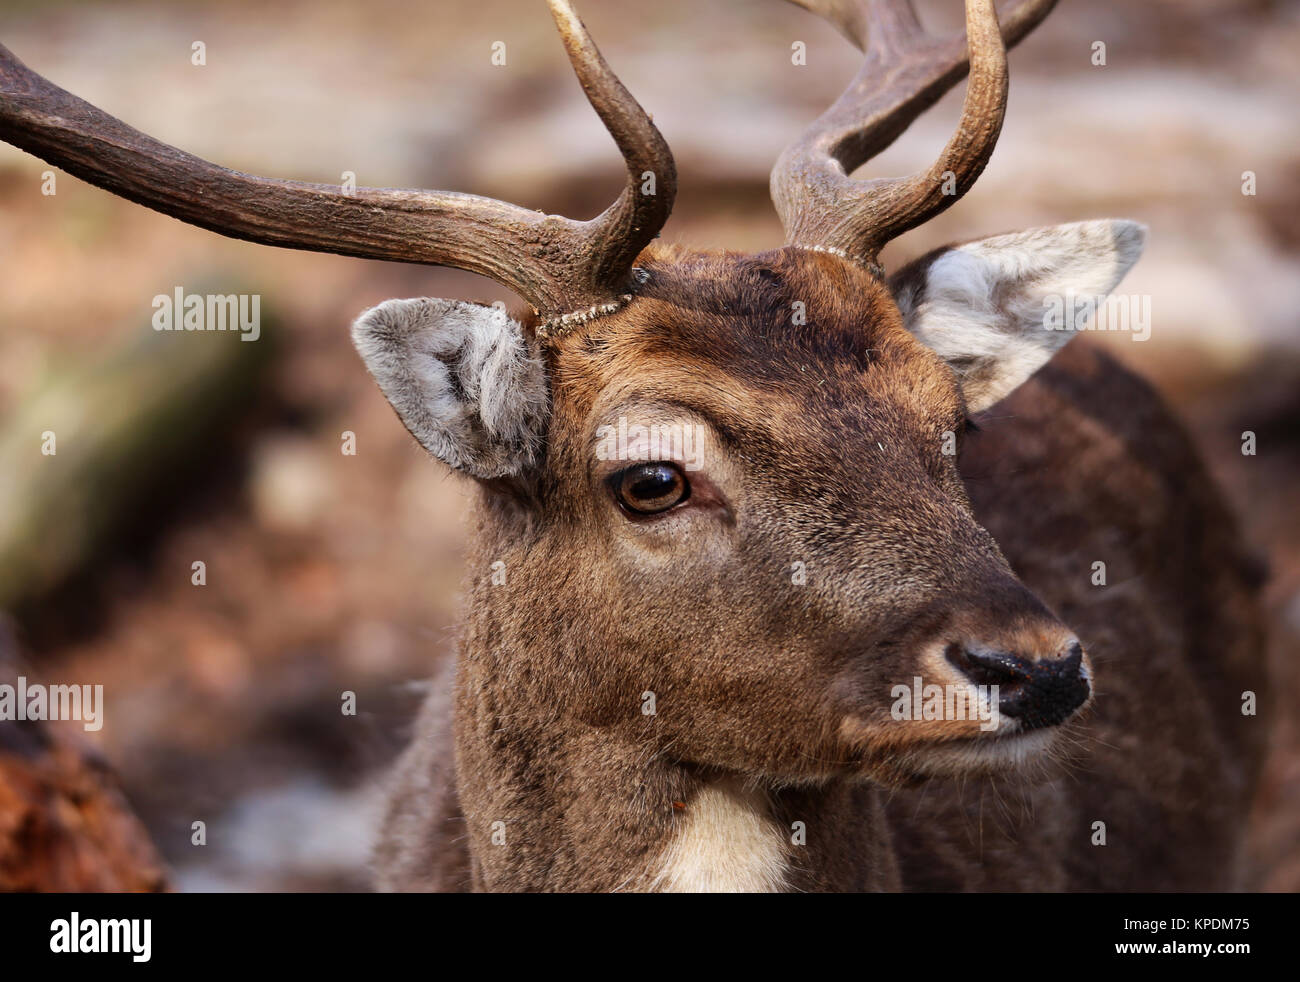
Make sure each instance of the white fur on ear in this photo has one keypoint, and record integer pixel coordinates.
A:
(463, 379)
(984, 307)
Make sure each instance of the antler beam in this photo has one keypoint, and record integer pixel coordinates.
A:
(555, 263)
(905, 72)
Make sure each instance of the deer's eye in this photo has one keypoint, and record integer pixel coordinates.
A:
(647, 489)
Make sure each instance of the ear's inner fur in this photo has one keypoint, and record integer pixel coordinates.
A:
(463, 379)
(997, 309)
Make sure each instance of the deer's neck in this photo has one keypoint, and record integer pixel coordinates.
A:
(551, 804)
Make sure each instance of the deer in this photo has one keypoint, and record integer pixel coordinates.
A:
(716, 545)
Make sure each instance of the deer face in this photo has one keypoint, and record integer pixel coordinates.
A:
(748, 478)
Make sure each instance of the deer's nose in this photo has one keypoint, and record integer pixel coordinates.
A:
(1038, 692)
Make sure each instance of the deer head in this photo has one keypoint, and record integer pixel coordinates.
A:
(733, 478)
(726, 481)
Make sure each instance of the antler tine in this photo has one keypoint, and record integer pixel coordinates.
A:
(555, 263)
(905, 72)
(617, 236)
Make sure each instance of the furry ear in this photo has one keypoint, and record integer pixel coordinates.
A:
(992, 309)
(463, 380)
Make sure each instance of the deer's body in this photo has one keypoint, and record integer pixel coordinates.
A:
(1081, 463)
(722, 536)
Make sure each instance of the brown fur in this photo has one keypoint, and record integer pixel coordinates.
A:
(827, 453)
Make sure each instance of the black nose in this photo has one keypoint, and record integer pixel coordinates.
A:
(1038, 693)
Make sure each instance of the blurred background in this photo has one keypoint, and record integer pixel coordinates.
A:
(328, 572)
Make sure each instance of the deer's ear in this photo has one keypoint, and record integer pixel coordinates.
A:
(983, 307)
(463, 380)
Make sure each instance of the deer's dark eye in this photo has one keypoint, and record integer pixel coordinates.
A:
(647, 489)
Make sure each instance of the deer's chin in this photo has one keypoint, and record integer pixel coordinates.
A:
(996, 753)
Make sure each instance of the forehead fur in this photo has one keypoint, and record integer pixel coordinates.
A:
(804, 333)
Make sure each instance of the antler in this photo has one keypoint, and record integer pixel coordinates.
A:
(556, 264)
(905, 72)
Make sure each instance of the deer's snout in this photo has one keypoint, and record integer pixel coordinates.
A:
(1038, 692)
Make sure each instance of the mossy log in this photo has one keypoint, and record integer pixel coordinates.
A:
(80, 457)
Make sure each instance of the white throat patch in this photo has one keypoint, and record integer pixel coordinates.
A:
(726, 842)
